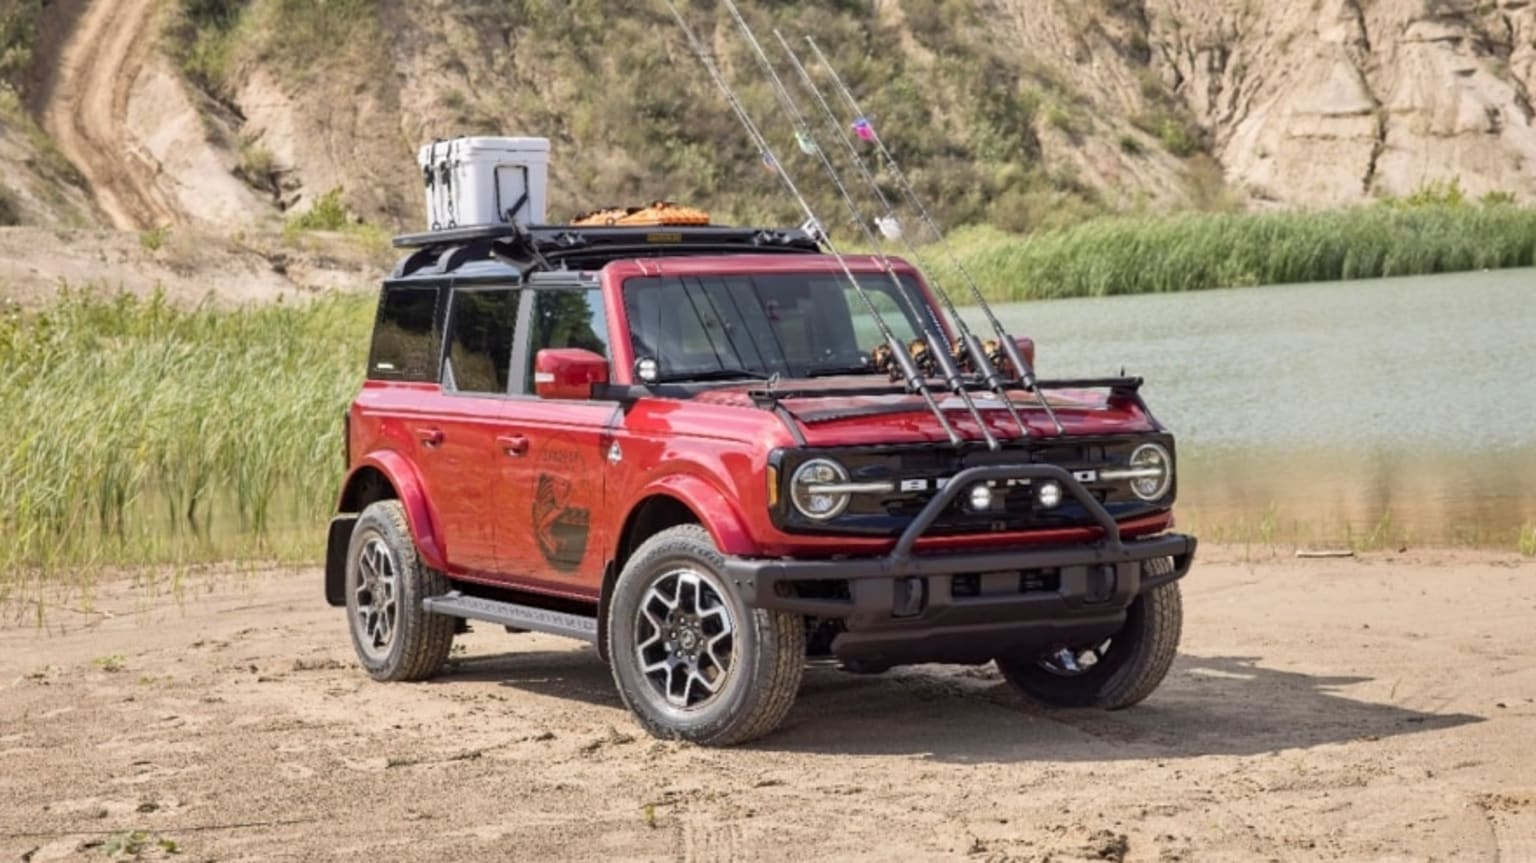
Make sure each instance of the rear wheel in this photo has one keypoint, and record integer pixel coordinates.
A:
(1115, 672)
(691, 660)
(395, 638)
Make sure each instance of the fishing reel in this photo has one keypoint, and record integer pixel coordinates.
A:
(882, 359)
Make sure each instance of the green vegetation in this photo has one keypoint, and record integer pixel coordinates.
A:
(329, 214)
(134, 428)
(10, 207)
(18, 33)
(1527, 542)
(154, 239)
(208, 38)
(1196, 251)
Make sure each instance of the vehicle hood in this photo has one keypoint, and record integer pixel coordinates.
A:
(834, 416)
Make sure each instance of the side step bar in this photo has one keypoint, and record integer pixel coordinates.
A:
(456, 604)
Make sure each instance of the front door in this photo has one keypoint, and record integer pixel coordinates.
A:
(552, 495)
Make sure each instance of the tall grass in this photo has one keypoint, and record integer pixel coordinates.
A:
(129, 423)
(1191, 252)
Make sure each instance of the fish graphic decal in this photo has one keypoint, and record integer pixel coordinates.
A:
(561, 529)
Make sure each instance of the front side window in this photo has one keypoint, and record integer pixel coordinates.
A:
(567, 318)
(405, 337)
(760, 325)
(480, 330)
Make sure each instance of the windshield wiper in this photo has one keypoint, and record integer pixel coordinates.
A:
(715, 375)
(835, 371)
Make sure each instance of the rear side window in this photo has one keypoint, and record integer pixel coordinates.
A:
(405, 335)
(480, 330)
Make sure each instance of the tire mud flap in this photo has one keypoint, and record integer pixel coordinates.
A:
(336, 544)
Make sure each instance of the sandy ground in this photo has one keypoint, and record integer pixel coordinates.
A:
(1382, 708)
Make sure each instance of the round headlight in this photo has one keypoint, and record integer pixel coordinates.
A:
(1147, 458)
(807, 489)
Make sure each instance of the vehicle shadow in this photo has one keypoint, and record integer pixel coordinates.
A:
(1209, 705)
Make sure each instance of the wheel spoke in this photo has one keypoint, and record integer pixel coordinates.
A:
(711, 686)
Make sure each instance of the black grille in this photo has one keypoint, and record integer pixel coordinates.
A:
(1014, 508)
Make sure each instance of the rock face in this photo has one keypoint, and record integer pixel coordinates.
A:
(1123, 103)
(1339, 101)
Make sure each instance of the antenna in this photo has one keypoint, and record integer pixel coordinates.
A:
(909, 371)
(1009, 347)
(972, 345)
(938, 351)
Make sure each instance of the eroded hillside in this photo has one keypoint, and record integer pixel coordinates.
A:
(1024, 113)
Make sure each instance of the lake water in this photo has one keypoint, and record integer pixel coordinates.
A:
(1380, 412)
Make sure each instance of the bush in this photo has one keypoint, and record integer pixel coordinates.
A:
(329, 213)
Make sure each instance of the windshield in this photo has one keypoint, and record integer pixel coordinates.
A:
(747, 326)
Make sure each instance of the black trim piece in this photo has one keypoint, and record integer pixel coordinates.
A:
(767, 397)
(457, 604)
(768, 583)
(337, 542)
(789, 423)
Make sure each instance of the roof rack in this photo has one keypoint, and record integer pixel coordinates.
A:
(532, 248)
(554, 239)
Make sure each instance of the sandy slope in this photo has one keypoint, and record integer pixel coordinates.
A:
(97, 72)
(1378, 709)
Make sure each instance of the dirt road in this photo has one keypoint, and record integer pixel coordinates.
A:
(86, 114)
(1375, 709)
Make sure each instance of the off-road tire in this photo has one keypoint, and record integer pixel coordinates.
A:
(767, 658)
(1138, 658)
(421, 640)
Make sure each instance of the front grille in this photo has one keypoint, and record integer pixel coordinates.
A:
(1014, 509)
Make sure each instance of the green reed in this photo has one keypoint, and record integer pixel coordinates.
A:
(133, 428)
(1197, 251)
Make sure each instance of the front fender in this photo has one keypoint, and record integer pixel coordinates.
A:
(717, 512)
(410, 491)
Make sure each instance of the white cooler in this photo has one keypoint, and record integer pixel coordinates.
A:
(485, 181)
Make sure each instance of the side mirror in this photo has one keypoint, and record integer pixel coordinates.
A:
(568, 373)
(1026, 349)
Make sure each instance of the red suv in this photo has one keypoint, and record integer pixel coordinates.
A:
(679, 445)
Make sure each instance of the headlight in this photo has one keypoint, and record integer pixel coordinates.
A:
(816, 489)
(1151, 470)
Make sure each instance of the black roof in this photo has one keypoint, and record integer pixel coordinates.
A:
(541, 248)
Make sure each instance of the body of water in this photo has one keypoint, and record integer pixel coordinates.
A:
(1380, 412)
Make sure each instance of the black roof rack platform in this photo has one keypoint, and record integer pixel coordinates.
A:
(547, 239)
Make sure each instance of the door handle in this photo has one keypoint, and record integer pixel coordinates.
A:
(513, 445)
(430, 438)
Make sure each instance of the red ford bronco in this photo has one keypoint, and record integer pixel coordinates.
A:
(679, 444)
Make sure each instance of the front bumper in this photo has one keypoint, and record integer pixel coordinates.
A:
(906, 608)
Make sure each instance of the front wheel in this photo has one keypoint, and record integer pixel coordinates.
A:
(1116, 672)
(691, 660)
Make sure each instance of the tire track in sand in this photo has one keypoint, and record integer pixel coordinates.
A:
(87, 112)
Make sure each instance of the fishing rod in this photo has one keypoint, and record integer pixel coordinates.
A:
(1009, 347)
(937, 350)
(913, 378)
(968, 340)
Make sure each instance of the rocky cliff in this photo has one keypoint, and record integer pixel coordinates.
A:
(1026, 113)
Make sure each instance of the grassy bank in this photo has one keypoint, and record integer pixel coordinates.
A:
(1197, 251)
(132, 428)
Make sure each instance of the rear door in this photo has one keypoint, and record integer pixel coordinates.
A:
(554, 529)
(460, 448)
